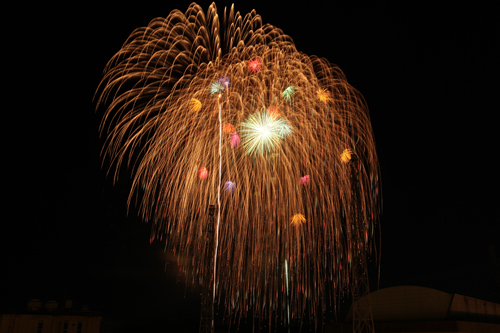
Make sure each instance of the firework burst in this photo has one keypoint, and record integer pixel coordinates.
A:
(228, 128)
(298, 219)
(262, 133)
(305, 180)
(154, 89)
(254, 65)
(216, 87)
(288, 93)
(229, 187)
(346, 155)
(234, 139)
(202, 173)
(323, 95)
(195, 105)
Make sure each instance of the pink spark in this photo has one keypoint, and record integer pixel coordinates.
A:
(235, 139)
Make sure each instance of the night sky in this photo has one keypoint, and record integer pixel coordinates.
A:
(426, 72)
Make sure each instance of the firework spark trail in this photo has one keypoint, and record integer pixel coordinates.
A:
(287, 297)
(162, 92)
(218, 202)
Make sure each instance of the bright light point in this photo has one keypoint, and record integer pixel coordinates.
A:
(262, 133)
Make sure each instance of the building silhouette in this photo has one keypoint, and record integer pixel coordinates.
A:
(419, 309)
(50, 319)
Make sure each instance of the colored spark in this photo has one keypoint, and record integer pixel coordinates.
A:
(228, 128)
(202, 173)
(216, 88)
(224, 81)
(298, 219)
(262, 134)
(305, 180)
(195, 105)
(235, 139)
(229, 187)
(254, 65)
(285, 129)
(274, 112)
(346, 155)
(288, 93)
(323, 95)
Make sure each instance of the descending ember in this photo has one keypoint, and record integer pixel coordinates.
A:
(288, 120)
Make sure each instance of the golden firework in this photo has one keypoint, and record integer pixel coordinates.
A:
(195, 105)
(186, 60)
(346, 155)
(298, 219)
(323, 95)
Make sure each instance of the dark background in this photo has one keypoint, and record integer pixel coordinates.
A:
(429, 74)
